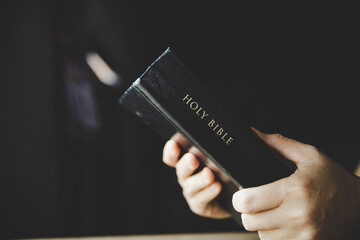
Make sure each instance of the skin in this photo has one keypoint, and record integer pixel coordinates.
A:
(200, 189)
(321, 200)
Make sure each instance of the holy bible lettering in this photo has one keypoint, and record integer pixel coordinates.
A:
(223, 135)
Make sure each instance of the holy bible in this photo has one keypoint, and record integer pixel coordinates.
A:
(174, 103)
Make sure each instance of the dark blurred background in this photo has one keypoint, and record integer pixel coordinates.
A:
(74, 163)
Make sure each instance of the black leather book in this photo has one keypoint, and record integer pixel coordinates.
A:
(173, 102)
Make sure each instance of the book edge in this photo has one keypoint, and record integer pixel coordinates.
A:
(137, 84)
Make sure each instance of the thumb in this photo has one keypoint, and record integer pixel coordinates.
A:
(289, 148)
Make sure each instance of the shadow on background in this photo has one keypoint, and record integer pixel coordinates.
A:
(74, 163)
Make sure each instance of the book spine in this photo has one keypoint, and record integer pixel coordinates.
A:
(140, 101)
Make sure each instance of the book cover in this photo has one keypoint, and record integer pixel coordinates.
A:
(175, 104)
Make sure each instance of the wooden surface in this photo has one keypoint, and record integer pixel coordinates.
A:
(196, 236)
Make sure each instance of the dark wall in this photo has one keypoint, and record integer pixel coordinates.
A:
(29, 161)
(64, 175)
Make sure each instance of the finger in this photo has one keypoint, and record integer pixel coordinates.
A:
(266, 220)
(289, 148)
(272, 234)
(197, 182)
(256, 199)
(171, 153)
(186, 166)
(199, 203)
(287, 233)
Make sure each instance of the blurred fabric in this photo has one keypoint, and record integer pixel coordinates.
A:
(74, 163)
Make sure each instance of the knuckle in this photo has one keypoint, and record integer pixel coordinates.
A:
(181, 162)
(185, 193)
(170, 154)
(215, 189)
(312, 151)
(167, 160)
(180, 182)
(280, 139)
(178, 170)
(206, 177)
(302, 188)
(197, 206)
(305, 189)
(188, 189)
(188, 157)
(277, 136)
(304, 216)
(247, 222)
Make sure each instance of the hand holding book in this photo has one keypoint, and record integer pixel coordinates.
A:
(290, 190)
(200, 189)
(314, 202)
(176, 105)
